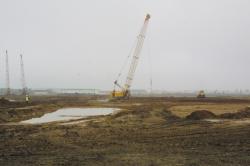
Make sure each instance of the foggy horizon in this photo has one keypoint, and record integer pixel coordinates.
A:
(191, 45)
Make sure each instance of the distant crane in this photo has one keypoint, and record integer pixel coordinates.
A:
(124, 91)
(7, 74)
(24, 90)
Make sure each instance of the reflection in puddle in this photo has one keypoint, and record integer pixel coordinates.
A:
(70, 114)
(214, 120)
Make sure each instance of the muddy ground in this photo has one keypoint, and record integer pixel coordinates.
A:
(147, 131)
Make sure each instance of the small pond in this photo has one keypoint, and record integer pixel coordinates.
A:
(70, 114)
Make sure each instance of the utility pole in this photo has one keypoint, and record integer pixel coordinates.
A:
(24, 92)
(7, 74)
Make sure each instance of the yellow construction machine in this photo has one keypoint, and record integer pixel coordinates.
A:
(124, 91)
(201, 94)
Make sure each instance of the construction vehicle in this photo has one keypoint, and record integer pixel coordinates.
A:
(124, 91)
(201, 94)
(27, 98)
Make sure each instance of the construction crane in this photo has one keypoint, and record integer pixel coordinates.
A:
(124, 91)
(7, 74)
(24, 86)
(24, 90)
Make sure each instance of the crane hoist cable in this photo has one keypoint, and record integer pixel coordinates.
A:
(149, 63)
(125, 62)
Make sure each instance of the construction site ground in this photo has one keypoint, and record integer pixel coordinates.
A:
(146, 131)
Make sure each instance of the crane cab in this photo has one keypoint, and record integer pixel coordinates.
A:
(120, 94)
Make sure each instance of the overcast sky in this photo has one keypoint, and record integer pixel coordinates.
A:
(194, 44)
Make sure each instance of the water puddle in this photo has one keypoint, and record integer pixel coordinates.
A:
(214, 120)
(70, 114)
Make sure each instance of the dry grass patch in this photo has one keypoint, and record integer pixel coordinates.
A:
(217, 109)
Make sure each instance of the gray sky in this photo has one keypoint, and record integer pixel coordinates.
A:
(194, 44)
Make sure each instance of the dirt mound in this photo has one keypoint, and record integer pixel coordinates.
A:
(201, 114)
(141, 112)
(245, 113)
